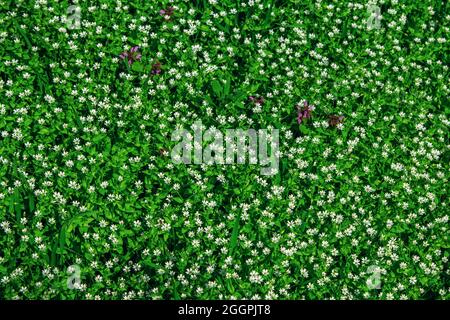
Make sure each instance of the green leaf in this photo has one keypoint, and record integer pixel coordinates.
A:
(175, 292)
(17, 205)
(31, 202)
(137, 66)
(62, 242)
(53, 252)
(234, 234)
(226, 88)
(217, 88)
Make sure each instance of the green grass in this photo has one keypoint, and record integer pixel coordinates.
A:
(87, 178)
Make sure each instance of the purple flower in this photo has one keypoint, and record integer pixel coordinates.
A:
(166, 13)
(132, 55)
(259, 100)
(304, 112)
(335, 120)
(156, 68)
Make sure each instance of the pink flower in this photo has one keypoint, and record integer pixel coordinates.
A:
(259, 100)
(335, 120)
(156, 68)
(304, 112)
(132, 55)
(167, 12)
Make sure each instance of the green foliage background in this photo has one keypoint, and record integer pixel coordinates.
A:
(86, 176)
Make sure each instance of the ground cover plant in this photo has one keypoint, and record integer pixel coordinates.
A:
(92, 205)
